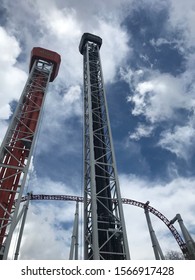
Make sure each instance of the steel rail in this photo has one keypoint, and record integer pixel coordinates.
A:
(151, 209)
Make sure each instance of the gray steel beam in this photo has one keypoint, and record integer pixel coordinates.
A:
(74, 240)
(155, 244)
(187, 237)
(24, 214)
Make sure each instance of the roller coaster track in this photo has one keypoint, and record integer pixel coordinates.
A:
(151, 209)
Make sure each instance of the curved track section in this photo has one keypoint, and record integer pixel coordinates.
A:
(151, 209)
(159, 215)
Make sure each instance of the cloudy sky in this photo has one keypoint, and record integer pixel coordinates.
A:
(148, 58)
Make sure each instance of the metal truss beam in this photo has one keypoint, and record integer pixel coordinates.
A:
(104, 226)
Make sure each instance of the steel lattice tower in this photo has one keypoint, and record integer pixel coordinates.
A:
(17, 147)
(104, 226)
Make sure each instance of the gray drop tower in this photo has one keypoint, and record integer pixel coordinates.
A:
(105, 235)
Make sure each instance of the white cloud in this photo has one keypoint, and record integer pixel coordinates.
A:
(182, 18)
(47, 238)
(173, 43)
(53, 187)
(12, 78)
(72, 101)
(115, 49)
(59, 109)
(3, 129)
(159, 42)
(5, 112)
(141, 131)
(179, 141)
(9, 47)
(63, 23)
(158, 97)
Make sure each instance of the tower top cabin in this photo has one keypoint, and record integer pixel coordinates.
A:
(88, 37)
(38, 53)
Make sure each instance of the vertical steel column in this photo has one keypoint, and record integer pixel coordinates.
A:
(104, 225)
(187, 237)
(74, 241)
(24, 214)
(155, 244)
(17, 147)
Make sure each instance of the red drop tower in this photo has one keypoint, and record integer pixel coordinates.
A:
(17, 147)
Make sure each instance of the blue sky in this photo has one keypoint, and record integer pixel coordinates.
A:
(148, 55)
